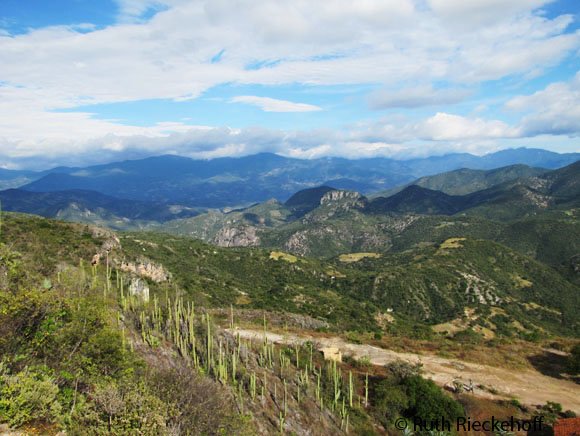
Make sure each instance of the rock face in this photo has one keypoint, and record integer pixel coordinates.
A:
(243, 236)
(345, 199)
(139, 288)
(146, 269)
(111, 242)
(332, 353)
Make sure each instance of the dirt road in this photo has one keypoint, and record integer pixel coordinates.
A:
(528, 386)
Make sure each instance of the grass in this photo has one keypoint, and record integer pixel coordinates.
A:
(521, 282)
(279, 255)
(355, 257)
(452, 243)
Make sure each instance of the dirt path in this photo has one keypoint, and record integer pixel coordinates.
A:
(528, 386)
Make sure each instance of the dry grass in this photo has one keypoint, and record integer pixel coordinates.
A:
(279, 255)
(452, 243)
(355, 257)
(520, 282)
(243, 300)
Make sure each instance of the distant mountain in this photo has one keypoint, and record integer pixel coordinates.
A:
(532, 157)
(306, 200)
(415, 199)
(90, 207)
(465, 181)
(222, 182)
(236, 182)
(530, 214)
(14, 178)
(508, 200)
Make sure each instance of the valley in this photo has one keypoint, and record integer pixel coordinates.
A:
(289, 217)
(418, 292)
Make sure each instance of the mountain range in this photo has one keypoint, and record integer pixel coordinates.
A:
(326, 222)
(235, 182)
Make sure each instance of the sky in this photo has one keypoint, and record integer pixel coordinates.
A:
(91, 81)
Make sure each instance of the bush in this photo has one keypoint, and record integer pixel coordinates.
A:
(389, 400)
(120, 408)
(428, 402)
(401, 369)
(574, 360)
(28, 396)
(198, 404)
(468, 336)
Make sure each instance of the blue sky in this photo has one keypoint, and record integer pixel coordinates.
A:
(90, 81)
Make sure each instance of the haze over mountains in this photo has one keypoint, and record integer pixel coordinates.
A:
(235, 182)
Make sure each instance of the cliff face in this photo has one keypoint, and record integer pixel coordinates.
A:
(145, 269)
(243, 236)
(344, 199)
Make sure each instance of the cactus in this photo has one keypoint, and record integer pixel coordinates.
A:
(253, 385)
(318, 386)
(209, 357)
(265, 383)
(285, 399)
(350, 388)
(297, 349)
(367, 390)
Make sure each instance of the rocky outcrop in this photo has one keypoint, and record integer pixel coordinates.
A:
(346, 199)
(145, 269)
(332, 353)
(139, 288)
(111, 241)
(243, 236)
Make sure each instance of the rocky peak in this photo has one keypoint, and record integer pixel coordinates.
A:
(346, 199)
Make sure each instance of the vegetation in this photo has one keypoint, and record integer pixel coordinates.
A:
(104, 333)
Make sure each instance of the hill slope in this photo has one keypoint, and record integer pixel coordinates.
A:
(90, 207)
(465, 181)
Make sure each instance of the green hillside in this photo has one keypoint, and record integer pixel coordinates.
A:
(133, 343)
(465, 180)
(82, 352)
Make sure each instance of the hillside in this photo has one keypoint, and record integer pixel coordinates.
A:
(135, 341)
(465, 181)
(527, 214)
(90, 207)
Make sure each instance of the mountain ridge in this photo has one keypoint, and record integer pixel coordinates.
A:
(235, 182)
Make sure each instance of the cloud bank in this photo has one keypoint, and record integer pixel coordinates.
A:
(179, 49)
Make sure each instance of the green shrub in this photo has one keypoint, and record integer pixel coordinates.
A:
(427, 401)
(574, 360)
(28, 396)
(127, 407)
(389, 400)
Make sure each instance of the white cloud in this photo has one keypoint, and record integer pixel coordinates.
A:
(554, 110)
(391, 137)
(466, 14)
(274, 105)
(449, 127)
(386, 43)
(418, 96)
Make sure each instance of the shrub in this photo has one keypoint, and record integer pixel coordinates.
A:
(574, 360)
(427, 401)
(120, 408)
(28, 396)
(401, 369)
(389, 401)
